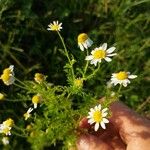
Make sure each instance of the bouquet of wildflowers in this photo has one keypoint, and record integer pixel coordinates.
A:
(53, 112)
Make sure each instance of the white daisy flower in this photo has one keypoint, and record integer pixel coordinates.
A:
(27, 114)
(122, 77)
(100, 53)
(84, 41)
(6, 126)
(98, 116)
(5, 140)
(8, 75)
(55, 26)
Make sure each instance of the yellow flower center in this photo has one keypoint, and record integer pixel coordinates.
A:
(99, 54)
(122, 75)
(55, 27)
(9, 122)
(36, 99)
(82, 37)
(78, 82)
(6, 71)
(5, 77)
(97, 116)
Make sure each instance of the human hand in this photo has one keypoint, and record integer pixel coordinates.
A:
(126, 131)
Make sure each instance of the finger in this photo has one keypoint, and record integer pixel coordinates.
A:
(91, 142)
(131, 127)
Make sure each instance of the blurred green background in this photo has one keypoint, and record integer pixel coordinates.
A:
(26, 43)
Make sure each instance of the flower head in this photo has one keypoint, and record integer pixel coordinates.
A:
(78, 82)
(5, 140)
(6, 126)
(122, 77)
(84, 41)
(36, 99)
(97, 116)
(55, 26)
(27, 114)
(101, 53)
(39, 78)
(8, 75)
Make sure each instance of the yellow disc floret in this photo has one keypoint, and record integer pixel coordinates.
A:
(97, 116)
(9, 122)
(78, 82)
(82, 37)
(36, 99)
(5, 77)
(39, 77)
(99, 54)
(122, 75)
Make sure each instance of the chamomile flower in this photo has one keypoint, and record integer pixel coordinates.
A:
(122, 77)
(5, 140)
(84, 41)
(98, 115)
(36, 99)
(100, 53)
(6, 126)
(27, 114)
(78, 82)
(55, 26)
(8, 75)
(39, 78)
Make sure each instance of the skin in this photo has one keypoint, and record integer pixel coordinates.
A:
(126, 131)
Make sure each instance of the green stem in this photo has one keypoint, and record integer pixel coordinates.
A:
(94, 72)
(67, 55)
(86, 66)
(119, 89)
(20, 86)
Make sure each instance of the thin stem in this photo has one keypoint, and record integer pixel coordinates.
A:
(94, 72)
(86, 66)
(67, 55)
(20, 86)
(119, 89)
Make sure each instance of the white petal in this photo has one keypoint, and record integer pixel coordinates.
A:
(90, 121)
(96, 126)
(90, 57)
(104, 110)
(105, 120)
(81, 47)
(92, 110)
(85, 45)
(104, 46)
(104, 114)
(110, 50)
(108, 59)
(94, 62)
(132, 76)
(125, 84)
(103, 125)
(99, 106)
(113, 54)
